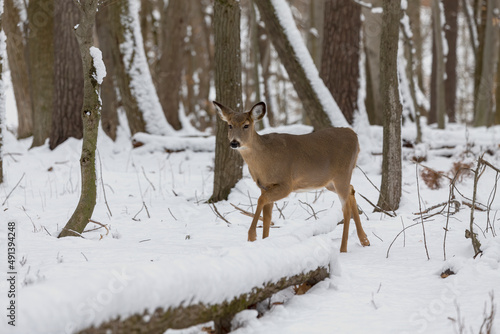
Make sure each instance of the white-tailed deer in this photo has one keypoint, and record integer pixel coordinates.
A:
(284, 163)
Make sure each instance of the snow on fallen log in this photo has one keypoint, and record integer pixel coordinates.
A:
(172, 144)
(187, 316)
(181, 291)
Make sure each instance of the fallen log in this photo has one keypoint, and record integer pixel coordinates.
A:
(172, 144)
(186, 316)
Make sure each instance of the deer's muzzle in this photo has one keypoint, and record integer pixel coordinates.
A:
(235, 144)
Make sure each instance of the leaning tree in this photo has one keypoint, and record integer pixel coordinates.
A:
(93, 73)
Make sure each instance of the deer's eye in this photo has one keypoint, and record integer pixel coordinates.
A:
(230, 126)
(246, 126)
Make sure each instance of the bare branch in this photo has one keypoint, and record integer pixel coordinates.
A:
(10, 193)
(217, 213)
(421, 217)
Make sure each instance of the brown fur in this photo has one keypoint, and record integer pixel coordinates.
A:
(284, 163)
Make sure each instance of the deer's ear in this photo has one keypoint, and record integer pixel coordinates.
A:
(223, 111)
(258, 111)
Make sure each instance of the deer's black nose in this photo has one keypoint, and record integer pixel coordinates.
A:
(234, 144)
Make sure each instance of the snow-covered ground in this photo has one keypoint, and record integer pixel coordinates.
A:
(165, 244)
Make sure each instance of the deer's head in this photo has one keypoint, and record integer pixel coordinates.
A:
(241, 124)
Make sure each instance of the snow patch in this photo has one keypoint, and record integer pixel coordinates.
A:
(100, 68)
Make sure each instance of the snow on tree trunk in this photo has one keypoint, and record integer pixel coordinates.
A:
(287, 40)
(94, 71)
(137, 91)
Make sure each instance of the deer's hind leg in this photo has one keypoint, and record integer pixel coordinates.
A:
(343, 193)
(355, 215)
(349, 209)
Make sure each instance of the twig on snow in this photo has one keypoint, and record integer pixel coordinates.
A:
(421, 216)
(10, 193)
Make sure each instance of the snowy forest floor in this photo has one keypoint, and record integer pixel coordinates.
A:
(162, 231)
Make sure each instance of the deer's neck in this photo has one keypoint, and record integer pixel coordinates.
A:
(253, 149)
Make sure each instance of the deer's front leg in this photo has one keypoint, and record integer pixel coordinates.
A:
(268, 213)
(269, 195)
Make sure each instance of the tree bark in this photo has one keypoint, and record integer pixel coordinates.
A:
(228, 162)
(483, 115)
(340, 65)
(68, 76)
(16, 51)
(90, 114)
(390, 190)
(170, 65)
(41, 66)
(438, 108)
(109, 114)
(451, 33)
(137, 91)
(321, 113)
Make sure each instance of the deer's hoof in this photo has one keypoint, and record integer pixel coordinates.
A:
(252, 237)
(365, 242)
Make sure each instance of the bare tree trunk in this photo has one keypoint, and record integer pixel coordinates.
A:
(372, 27)
(90, 116)
(170, 65)
(483, 115)
(265, 62)
(109, 114)
(480, 13)
(415, 25)
(497, 93)
(68, 76)
(390, 190)
(137, 91)
(315, 31)
(41, 66)
(451, 33)
(340, 65)
(316, 100)
(16, 51)
(228, 162)
(198, 73)
(438, 93)
(151, 30)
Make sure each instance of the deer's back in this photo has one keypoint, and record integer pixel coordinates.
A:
(306, 161)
